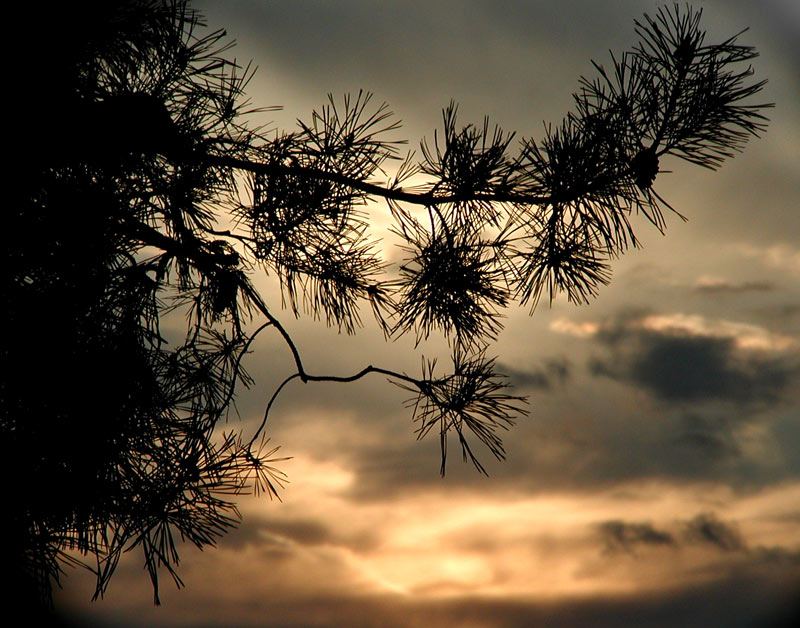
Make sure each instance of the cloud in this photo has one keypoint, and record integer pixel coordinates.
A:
(712, 436)
(584, 329)
(706, 528)
(694, 368)
(716, 285)
(786, 314)
(777, 256)
(263, 531)
(620, 535)
(553, 372)
(743, 335)
(688, 358)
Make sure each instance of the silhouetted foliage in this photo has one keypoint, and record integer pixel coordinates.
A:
(110, 420)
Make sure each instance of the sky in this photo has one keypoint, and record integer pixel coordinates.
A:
(656, 479)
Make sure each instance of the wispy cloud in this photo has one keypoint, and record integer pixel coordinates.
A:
(717, 285)
(779, 256)
(584, 329)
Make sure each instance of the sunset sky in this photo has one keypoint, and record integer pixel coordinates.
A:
(656, 480)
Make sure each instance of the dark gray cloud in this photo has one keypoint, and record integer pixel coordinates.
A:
(554, 371)
(711, 436)
(683, 367)
(725, 287)
(618, 535)
(705, 397)
(706, 528)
